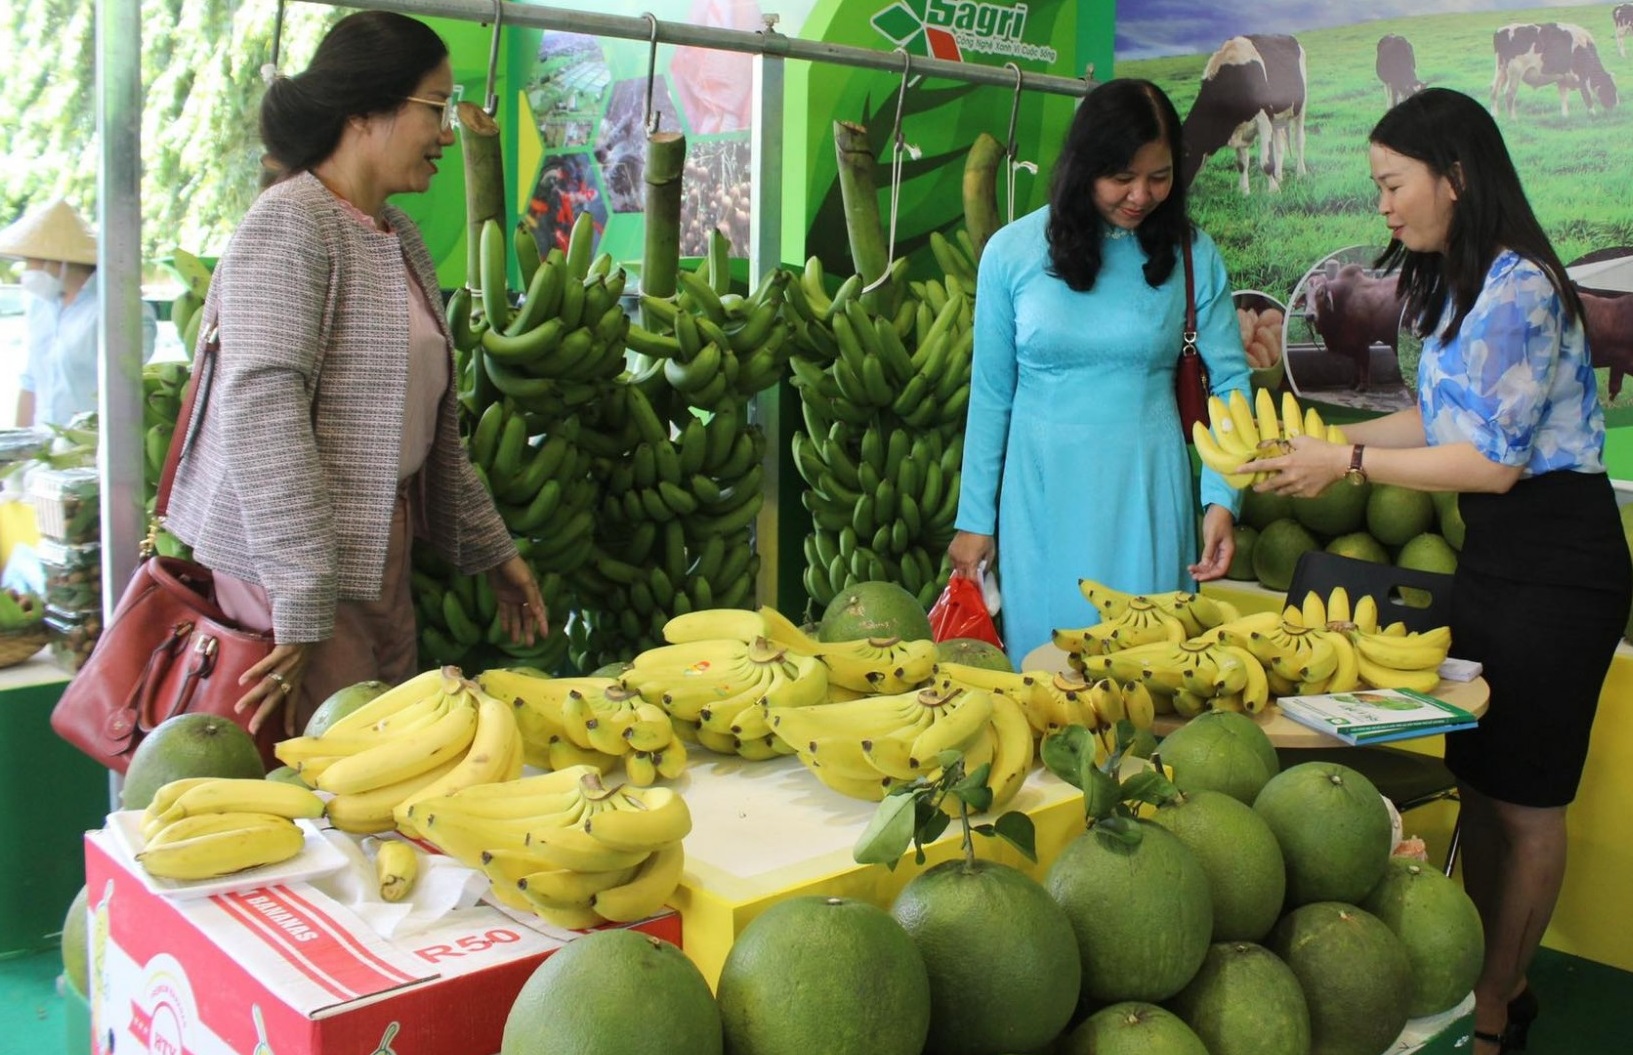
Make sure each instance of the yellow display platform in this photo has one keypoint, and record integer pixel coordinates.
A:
(767, 831)
(1594, 918)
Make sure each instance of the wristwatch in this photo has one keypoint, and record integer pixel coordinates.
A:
(1355, 474)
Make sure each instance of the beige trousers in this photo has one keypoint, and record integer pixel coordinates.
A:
(373, 640)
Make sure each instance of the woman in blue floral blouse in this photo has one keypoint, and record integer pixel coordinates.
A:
(1508, 415)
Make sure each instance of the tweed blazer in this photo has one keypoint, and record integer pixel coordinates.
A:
(290, 480)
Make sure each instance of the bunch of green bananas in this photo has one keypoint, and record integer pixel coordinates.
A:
(884, 386)
(564, 846)
(458, 615)
(432, 735)
(541, 485)
(186, 310)
(162, 388)
(203, 827)
(590, 721)
(678, 507)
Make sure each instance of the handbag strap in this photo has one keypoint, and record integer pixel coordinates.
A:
(1190, 297)
(189, 419)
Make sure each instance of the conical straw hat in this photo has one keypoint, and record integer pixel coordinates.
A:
(52, 231)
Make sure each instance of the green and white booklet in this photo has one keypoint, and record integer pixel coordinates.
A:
(1375, 716)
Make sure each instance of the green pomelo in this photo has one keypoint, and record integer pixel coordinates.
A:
(1132, 1028)
(74, 949)
(1356, 976)
(287, 775)
(1140, 910)
(817, 975)
(1449, 518)
(1246, 875)
(1395, 514)
(189, 745)
(1440, 928)
(342, 702)
(1338, 510)
(1425, 552)
(1260, 509)
(1245, 1001)
(614, 992)
(874, 609)
(1221, 751)
(1276, 553)
(973, 652)
(1241, 565)
(1019, 992)
(1333, 828)
(1358, 545)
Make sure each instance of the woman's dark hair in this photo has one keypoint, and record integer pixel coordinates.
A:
(1112, 123)
(367, 64)
(1456, 138)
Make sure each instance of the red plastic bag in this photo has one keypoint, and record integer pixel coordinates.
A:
(960, 611)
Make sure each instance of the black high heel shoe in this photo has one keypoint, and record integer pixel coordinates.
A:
(1522, 1011)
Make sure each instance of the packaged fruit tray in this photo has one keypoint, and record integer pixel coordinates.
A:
(73, 575)
(67, 504)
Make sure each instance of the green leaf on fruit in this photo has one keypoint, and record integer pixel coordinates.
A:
(1016, 829)
(1124, 831)
(888, 834)
(1148, 786)
(1101, 792)
(1063, 753)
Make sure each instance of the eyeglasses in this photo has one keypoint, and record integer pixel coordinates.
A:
(449, 106)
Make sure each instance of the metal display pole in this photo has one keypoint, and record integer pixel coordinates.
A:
(119, 286)
(765, 253)
(687, 35)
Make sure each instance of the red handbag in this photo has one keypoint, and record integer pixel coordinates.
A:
(169, 648)
(1190, 375)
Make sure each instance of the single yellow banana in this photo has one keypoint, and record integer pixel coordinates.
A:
(395, 699)
(782, 631)
(402, 757)
(715, 624)
(373, 811)
(1314, 611)
(1292, 418)
(1338, 606)
(1269, 424)
(396, 865)
(202, 824)
(1241, 417)
(640, 769)
(642, 819)
(651, 729)
(264, 842)
(562, 754)
(569, 888)
(1225, 432)
(1412, 652)
(1347, 674)
(224, 795)
(643, 895)
(1382, 677)
(1365, 614)
(1313, 425)
(576, 849)
(486, 762)
(1111, 603)
(957, 720)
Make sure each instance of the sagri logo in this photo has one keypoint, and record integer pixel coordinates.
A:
(947, 29)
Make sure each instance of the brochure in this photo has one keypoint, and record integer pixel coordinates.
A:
(1375, 716)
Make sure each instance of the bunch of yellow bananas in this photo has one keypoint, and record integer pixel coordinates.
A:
(203, 827)
(1128, 620)
(563, 845)
(864, 747)
(567, 722)
(1238, 433)
(433, 734)
(712, 689)
(1385, 657)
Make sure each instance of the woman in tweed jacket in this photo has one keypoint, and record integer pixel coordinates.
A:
(330, 437)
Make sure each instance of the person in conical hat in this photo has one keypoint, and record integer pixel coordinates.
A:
(58, 252)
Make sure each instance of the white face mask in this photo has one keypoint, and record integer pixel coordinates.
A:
(42, 284)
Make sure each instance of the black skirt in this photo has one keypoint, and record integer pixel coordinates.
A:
(1540, 600)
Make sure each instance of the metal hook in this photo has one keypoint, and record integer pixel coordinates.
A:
(1014, 112)
(654, 118)
(269, 72)
(901, 94)
(490, 103)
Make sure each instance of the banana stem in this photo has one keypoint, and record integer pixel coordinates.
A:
(860, 193)
(968, 845)
(665, 164)
(481, 145)
(981, 190)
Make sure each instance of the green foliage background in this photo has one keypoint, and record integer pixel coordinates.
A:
(201, 82)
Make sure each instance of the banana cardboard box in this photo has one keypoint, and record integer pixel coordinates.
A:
(285, 970)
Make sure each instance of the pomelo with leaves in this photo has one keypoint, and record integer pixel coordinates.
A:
(1136, 895)
(1002, 963)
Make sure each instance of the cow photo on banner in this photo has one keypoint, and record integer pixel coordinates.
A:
(1277, 98)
